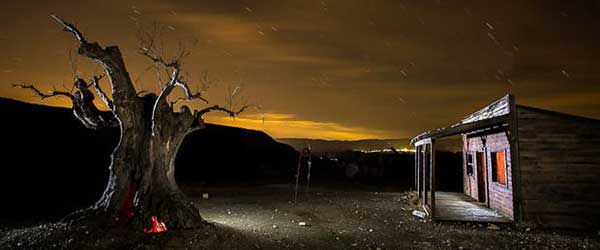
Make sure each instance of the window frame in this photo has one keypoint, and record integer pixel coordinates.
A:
(494, 167)
(470, 164)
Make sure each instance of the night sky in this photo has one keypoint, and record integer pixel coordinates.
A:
(340, 69)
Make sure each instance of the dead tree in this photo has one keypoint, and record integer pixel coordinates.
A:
(141, 182)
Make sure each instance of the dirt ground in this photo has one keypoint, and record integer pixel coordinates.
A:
(325, 218)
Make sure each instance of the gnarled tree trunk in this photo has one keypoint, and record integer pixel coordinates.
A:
(141, 183)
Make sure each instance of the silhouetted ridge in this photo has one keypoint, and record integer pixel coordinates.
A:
(45, 175)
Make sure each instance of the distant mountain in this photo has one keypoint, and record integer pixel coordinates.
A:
(332, 146)
(318, 145)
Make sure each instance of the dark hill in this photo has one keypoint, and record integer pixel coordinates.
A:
(53, 165)
(451, 144)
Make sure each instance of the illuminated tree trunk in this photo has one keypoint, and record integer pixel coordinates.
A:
(141, 186)
(142, 182)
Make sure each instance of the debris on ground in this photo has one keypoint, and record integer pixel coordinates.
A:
(238, 221)
(419, 214)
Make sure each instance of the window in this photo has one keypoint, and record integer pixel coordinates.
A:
(469, 164)
(499, 167)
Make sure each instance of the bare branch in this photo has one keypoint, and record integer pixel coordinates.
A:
(172, 104)
(110, 59)
(158, 59)
(168, 89)
(73, 62)
(70, 28)
(83, 104)
(188, 92)
(85, 109)
(152, 48)
(42, 95)
(219, 108)
(96, 83)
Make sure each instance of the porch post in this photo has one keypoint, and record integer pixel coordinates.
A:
(432, 177)
(417, 170)
(425, 173)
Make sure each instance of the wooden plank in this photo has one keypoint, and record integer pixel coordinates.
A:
(499, 107)
(425, 174)
(417, 169)
(459, 207)
(432, 176)
(423, 142)
(513, 138)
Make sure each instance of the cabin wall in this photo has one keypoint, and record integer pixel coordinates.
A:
(469, 181)
(559, 159)
(500, 196)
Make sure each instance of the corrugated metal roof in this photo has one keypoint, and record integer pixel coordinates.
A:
(498, 108)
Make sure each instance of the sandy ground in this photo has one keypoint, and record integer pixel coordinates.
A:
(335, 218)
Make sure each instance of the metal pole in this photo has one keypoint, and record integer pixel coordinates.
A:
(308, 176)
(297, 177)
(309, 167)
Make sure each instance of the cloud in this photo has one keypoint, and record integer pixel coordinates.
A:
(339, 68)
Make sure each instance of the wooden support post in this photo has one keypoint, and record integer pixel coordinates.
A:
(425, 174)
(422, 153)
(513, 135)
(432, 177)
(417, 170)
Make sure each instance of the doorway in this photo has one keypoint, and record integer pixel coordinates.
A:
(481, 177)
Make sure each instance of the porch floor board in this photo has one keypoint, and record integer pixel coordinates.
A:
(459, 207)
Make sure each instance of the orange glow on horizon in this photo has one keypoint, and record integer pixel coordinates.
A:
(287, 126)
(276, 125)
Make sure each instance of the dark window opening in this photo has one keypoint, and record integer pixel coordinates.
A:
(469, 164)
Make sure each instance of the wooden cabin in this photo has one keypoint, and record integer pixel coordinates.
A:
(520, 165)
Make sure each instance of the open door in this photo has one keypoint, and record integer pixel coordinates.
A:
(481, 178)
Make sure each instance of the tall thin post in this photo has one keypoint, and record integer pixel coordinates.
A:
(308, 150)
(425, 174)
(308, 175)
(432, 182)
(298, 177)
(417, 169)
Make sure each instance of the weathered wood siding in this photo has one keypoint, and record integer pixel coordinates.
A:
(469, 181)
(559, 158)
(500, 196)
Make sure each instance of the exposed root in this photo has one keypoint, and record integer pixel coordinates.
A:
(175, 210)
(91, 216)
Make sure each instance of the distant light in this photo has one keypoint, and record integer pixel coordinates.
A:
(386, 150)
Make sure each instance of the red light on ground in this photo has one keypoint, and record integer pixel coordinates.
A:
(157, 226)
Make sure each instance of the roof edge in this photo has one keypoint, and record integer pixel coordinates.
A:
(557, 113)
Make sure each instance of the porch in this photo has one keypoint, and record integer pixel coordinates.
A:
(450, 206)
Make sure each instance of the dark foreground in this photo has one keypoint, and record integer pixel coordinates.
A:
(336, 218)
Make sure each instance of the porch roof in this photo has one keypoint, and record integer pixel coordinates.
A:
(497, 113)
(462, 128)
